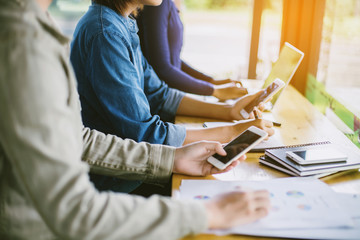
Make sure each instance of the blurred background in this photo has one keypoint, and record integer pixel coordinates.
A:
(242, 38)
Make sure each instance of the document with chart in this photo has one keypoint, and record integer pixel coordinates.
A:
(297, 205)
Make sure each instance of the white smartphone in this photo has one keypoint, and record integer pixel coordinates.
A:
(316, 156)
(238, 146)
(269, 91)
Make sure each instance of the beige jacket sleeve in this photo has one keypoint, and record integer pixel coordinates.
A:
(42, 177)
(113, 156)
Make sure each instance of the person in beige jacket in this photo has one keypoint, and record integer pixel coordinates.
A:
(45, 192)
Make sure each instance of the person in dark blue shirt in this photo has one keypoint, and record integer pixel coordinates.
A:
(161, 38)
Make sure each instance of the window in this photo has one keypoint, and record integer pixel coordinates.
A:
(336, 88)
(67, 13)
(217, 36)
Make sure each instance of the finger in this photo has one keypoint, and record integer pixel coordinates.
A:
(268, 127)
(258, 112)
(261, 212)
(237, 161)
(215, 147)
(270, 131)
(214, 170)
(251, 116)
(242, 158)
(241, 90)
(261, 194)
(268, 100)
(268, 124)
(253, 96)
(238, 83)
(228, 168)
(250, 97)
(263, 202)
(227, 80)
(261, 106)
(234, 163)
(229, 85)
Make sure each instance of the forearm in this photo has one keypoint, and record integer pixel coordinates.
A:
(195, 73)
(198, 108)
(178, 79)
(220, 134)
(224, 134)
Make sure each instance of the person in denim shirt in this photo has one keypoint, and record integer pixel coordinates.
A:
(121, 94)
(161, 35)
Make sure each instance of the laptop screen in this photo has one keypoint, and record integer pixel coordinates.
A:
(285, 67)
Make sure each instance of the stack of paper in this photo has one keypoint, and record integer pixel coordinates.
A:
(301, 208)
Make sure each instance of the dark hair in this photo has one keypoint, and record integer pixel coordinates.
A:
(116, 5)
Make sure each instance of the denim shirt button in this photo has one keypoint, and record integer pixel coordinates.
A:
(133, 26)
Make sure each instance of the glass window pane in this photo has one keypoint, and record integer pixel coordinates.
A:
(67, 13)
(270, 34)
(340, 52)
(217, 35)
(337, 82)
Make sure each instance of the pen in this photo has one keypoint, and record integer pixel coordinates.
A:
(256, 114)
(276, 124)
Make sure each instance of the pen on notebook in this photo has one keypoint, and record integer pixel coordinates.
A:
(256, 114)
(276, 124)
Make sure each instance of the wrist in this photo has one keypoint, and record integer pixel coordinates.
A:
(210, 80)
(231, 132)
(177, 157)
(227, 112)
(211, 214)
(215, 91)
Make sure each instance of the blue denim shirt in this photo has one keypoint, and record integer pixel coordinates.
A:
(119, 91)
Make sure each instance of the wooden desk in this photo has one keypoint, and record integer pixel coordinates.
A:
(301, 123)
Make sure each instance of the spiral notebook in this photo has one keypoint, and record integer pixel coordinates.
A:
(277, 159)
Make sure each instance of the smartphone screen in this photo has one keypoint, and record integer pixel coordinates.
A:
(237, 145)
(273, 87)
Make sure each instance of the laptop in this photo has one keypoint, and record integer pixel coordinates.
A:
(284, 68)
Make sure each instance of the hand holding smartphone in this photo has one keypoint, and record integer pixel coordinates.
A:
(238, 147)
(270, 91)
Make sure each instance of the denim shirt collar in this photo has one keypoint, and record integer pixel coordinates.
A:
(132, 26)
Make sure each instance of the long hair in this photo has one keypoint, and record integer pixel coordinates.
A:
(116, 5)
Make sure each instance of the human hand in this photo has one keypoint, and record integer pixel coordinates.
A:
(192, 159)
(234, 111)
(236, 208)
(265, 125)
(224, 81)
(229, 91)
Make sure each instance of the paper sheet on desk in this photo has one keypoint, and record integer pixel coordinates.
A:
(350, 204)
(297, 203)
